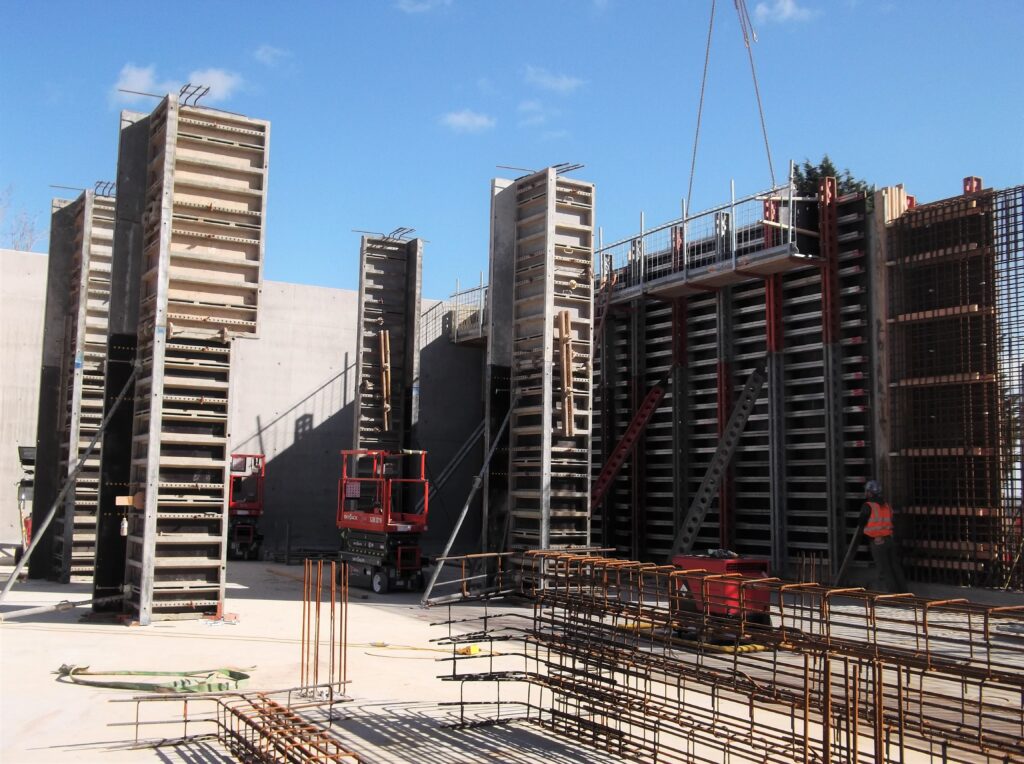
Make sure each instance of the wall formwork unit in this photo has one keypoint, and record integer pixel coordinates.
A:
(783, 496)
(75, 533)
(80, 256)
(387, 356)
(551, 374)
(202, 243)
(956, 339)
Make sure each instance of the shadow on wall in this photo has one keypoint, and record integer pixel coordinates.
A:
(451, 407)
(302, 446)
(303, 465)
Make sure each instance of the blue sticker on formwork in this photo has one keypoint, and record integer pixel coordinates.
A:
(79, 359)
(415, 389)
(161, 330)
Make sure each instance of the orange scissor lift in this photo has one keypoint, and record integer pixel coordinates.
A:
(382, 514)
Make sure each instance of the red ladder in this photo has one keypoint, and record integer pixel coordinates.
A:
(626, 444)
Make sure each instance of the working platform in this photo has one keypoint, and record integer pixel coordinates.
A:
(716, 248)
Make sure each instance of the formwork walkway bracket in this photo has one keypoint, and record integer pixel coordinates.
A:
(687, 533)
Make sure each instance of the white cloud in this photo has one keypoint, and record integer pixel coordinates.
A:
(221, 82)
(421, 6)
(140, 79)
(269, 55)
(532, 113)
(468, 121)
(143, 79)
(781, 11)
(558, 83)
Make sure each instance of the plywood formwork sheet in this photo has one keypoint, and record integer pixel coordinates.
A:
(201, 273)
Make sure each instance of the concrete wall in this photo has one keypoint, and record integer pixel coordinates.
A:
(293, 400)
(22, 299)
(451, 407)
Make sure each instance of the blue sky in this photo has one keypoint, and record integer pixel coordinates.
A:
(392, 113)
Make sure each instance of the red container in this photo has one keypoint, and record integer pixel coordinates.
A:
(723, 595)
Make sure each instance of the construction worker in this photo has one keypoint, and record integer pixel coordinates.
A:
(876, 519)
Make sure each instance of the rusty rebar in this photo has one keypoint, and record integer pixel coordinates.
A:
(608, 638)
(314, 596)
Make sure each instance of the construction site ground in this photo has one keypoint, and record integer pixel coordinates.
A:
(396, 714)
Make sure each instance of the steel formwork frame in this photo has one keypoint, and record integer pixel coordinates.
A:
(956, 338)
(775, 343)
(199, 245)
(81, 255)
(388, 343)
(752, 289)
(551, 371)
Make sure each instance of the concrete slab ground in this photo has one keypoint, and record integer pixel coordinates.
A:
(396, 714)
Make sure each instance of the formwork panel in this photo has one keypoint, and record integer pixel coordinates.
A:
(726, 336)
(387, 354)
(83, 375)
(201, 274)
(550, 424)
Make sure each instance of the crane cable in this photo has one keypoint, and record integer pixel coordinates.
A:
(700, 105)
(748, 32)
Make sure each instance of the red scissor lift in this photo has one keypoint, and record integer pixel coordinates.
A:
(245, 505)
(381, 517)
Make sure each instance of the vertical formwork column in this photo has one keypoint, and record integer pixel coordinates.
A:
(680, 429)
(122, 341)
(724, 398)
(497, 376)
(203, 233)
(637, 351)
(776, 420)
(85, 356)
(856, 314)
(618, 505)
(387, 350)
(701, 407)
(54, 384)
(775, 343)
(498, 364)
(832, 358)
(660, 346)
(549, 443)
(603, 431)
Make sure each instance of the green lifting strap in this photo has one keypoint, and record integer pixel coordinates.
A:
(201, 680)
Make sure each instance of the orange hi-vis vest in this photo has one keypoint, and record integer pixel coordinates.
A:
(880, 521)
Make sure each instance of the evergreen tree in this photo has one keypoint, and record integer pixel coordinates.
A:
(806, 177)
